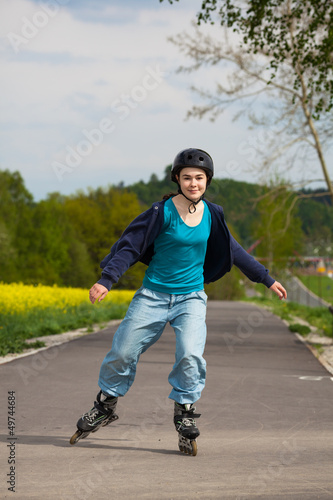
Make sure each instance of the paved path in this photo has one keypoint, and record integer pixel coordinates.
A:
(266, 425)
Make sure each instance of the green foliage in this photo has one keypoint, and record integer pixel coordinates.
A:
(278, 227)
(62, 239)
(301, 329)
(320, 285)
(314, 216)
(284, 29)
(100, 217)
(17, 328)
(238, 201)
(319, 317)
(15, 206)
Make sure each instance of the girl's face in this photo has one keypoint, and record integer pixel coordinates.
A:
(192, 182)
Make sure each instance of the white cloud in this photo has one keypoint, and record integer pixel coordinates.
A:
(85, 57)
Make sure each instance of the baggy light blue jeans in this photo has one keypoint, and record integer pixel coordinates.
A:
(143, 325)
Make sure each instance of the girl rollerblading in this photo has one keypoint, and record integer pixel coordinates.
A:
(185, 242)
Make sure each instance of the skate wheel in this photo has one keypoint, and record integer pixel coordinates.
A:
(194, 448)
(75, 438)
(188, 447)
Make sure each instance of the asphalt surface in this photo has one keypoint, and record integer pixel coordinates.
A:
(266, 424)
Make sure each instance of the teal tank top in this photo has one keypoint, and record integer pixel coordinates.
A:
(179, 254)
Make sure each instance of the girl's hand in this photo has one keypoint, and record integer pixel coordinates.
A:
(97, 292)
(279, 290)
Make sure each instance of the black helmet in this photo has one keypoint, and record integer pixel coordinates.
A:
(193, 157)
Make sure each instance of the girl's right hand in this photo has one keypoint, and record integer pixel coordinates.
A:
(97, 292)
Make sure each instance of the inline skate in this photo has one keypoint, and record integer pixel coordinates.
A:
(186, 427)
(100, 415)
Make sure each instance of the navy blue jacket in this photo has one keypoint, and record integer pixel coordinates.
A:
(137, 244)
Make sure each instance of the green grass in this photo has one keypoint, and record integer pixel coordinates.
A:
(301, 329)
(319, 285)
(15, 329)
(319, 317)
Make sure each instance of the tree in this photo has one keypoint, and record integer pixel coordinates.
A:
(317, 223)
(278, 228)
(16, 204)
(52, 253)
(284, 112)
(99, 218)
(237, 199)
(299, 31)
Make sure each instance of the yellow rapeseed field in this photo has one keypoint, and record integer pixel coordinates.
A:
(17, 298)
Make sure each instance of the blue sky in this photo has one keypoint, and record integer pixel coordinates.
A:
(91, 97)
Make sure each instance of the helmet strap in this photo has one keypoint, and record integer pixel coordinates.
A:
(192, 206)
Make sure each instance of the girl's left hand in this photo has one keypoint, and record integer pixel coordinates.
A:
(279, 290)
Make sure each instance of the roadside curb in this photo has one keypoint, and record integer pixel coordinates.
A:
(56, 340)
(325, 359)
(326, 363)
